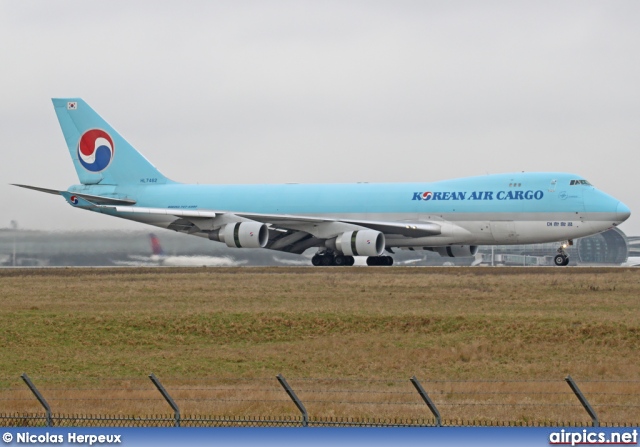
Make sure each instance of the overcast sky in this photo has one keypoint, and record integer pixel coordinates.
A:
(322, 91)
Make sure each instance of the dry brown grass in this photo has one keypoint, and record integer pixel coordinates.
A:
(451, 327)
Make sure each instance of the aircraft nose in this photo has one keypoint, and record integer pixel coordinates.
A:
(623, 212)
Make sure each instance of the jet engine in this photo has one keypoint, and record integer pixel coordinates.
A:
(242, 235)
(456, 251)
(361, 243)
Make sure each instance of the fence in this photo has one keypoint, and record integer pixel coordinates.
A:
(150, 402)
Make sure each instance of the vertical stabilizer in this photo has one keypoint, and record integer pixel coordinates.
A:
(99, 153)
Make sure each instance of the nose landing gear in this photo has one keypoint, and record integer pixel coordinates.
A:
(562, 259)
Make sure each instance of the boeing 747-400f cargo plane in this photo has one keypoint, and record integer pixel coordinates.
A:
(449, 217)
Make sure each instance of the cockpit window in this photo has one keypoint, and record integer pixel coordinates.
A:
(580, 182)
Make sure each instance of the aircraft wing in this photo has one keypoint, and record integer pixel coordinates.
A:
(290, 233)
(409, 229)
(321, 227)
(192, 221)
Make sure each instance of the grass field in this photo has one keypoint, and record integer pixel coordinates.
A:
(64, 326)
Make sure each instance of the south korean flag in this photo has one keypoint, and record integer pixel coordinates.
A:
(72, 105)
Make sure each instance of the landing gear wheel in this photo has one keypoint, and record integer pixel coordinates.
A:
(561, 260)
(316, 260)
(350, 260)
(340, 260)
(380, 260)
(327, 260)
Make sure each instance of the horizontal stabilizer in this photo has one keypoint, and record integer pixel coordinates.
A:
(35, 188)
(98, 200)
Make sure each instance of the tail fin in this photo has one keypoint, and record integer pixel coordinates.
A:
(156, 248)
(99, 153)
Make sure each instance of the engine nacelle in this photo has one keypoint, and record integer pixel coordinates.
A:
(456, 251)
(361, 243)
(242, 235)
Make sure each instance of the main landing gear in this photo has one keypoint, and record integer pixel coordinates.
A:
(562, 259)
(329, 258)
(380, 260)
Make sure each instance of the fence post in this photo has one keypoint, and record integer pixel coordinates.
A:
(168, 398)
(427, 400)
(39, 396)
(294, 398)
(583, 400)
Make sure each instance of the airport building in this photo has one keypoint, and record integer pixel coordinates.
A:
(112, 248)
(108, 248)
(633, 243)
(611, 247)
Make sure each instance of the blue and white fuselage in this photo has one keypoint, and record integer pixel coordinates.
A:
(452, 217)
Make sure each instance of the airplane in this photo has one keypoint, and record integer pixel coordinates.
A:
(160, 258)
(451, 217)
